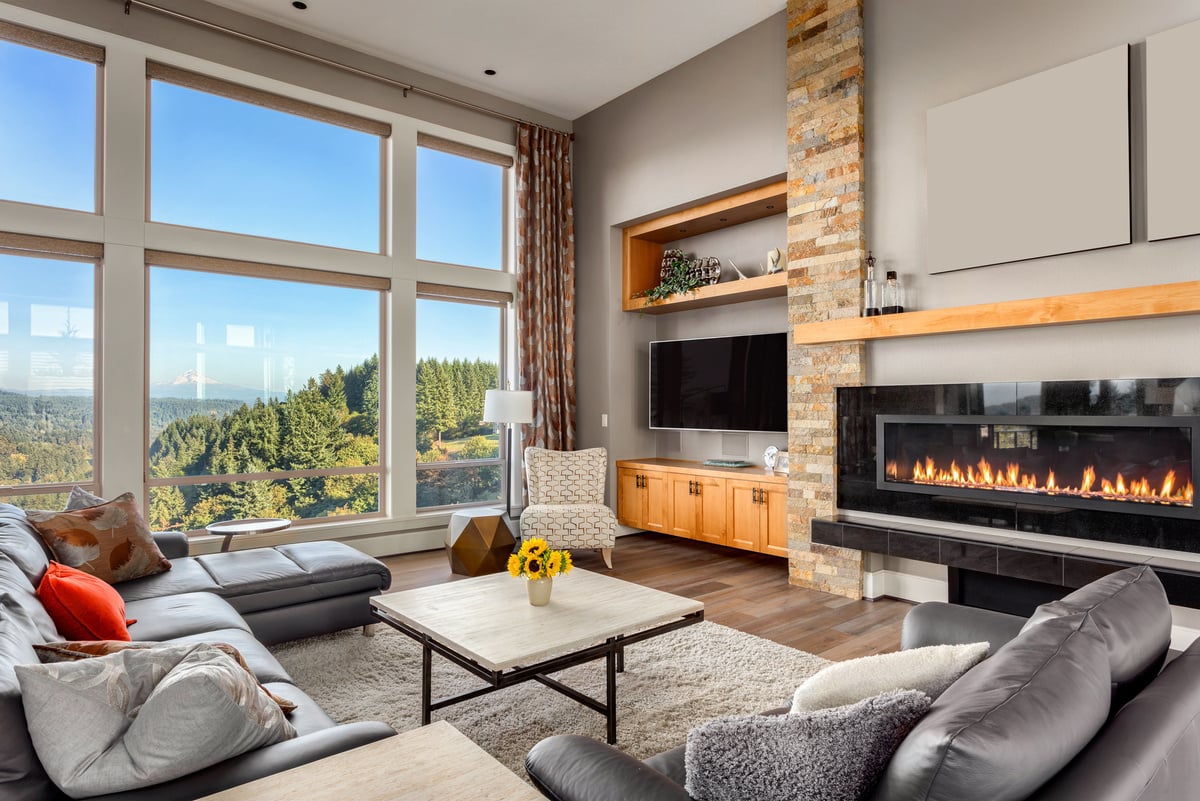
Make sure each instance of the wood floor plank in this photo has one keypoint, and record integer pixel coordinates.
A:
(746, 591)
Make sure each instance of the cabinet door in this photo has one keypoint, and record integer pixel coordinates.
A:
(685, 510)
(774, 521)
(709, 501)
(630, 498)
(745, 514)
(657, 503)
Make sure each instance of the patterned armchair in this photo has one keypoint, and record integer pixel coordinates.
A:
(566, 500)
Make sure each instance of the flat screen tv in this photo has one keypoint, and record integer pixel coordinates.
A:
(720, 383)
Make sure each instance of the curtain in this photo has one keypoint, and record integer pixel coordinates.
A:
(546, 284)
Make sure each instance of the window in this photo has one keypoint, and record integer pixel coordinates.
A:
(49, 90)
(229, 158)
(255, 411)
(458, 359)
(47, 375)
(460, 204)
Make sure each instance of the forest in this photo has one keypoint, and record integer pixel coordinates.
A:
(333, 421)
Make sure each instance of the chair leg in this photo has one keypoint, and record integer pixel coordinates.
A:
(607, 554)
(369, 629)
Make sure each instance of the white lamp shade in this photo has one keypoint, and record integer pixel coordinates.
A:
(507, 406)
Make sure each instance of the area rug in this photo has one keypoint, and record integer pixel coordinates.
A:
(670, 683)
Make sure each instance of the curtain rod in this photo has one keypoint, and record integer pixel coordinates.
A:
(374, 76)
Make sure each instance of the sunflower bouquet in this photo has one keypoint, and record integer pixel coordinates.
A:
(535, 560)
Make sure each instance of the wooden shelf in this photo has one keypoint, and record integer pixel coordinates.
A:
(1163, 300)
(642, 249)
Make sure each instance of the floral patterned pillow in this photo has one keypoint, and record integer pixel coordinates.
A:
(110, 541)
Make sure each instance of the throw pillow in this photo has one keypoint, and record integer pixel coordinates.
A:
(51, 652)
(110, 540)
(144, 716)
(931, 670)
(831, 754)
(82, 606)
(82, 499)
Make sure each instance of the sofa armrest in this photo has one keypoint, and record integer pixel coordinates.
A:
(257, 764)
(569, 767)
(936, 623)
(173, 544)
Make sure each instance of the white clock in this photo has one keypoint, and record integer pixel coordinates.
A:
(770, 455)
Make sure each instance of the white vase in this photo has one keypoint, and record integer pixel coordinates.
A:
(539, 590)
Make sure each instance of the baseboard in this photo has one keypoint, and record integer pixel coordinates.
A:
(904, 586)
(397, 543)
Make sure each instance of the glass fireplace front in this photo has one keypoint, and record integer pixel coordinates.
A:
(1120, 464)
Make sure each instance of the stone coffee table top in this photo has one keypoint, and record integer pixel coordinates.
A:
(490, 620)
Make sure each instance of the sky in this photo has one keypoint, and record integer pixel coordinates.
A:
(232, 166)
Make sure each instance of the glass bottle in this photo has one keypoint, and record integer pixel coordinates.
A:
(893, 294)
(870, 289)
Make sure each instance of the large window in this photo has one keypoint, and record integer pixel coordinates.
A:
(460, 204)
(262, 164)
(458, 359)
(49, 88)
(47, 377)
(264, 392)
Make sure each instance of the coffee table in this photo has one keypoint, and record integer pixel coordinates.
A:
(432, 763)
(487, 626)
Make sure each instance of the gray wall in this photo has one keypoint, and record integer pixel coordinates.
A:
(922, 53)
(713, 124)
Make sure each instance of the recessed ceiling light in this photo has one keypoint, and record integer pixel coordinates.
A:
(299, 5)
(489, 71)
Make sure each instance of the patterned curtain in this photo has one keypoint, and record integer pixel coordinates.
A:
(546, 284)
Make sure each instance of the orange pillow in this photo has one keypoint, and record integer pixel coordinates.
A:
(82, 606)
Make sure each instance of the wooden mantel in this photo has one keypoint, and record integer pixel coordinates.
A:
(1162, 300)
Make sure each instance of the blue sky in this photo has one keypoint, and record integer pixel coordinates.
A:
(226, 165)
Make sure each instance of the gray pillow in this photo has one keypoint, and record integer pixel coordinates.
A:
(831, 754)
(930, 669)
(144, 716)
(82, 499)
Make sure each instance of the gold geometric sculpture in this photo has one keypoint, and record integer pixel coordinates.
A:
(478, 542)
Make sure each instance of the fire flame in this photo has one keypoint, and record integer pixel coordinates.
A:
(983, 476)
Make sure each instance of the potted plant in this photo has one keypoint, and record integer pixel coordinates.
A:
(536, 563)
(676, 280)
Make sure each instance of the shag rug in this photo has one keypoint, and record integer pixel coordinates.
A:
(671, 683)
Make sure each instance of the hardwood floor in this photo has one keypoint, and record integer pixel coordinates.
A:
(743, 590)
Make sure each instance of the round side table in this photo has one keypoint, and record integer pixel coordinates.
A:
(251, 525)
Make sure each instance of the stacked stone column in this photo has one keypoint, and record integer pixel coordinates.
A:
(826, 257)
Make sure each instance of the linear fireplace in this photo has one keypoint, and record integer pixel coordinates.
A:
(1117, 464)
(1106, 460)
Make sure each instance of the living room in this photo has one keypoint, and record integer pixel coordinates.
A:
(716, 124)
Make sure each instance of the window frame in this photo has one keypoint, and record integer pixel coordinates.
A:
(79, 50)
(238, 92)
(275, 272)
(502, 302)
(57, 249)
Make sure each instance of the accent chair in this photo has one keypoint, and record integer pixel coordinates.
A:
(566, 500)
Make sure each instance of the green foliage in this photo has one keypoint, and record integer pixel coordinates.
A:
(676, 282)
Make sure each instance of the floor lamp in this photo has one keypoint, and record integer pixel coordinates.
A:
(508, 406)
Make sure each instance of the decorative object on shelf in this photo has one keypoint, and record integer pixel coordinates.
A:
(871, 290)
(893, 294)
(781, 463)
(774, 261)
(677, 277)
(740, 275)
(770, 455)
(535, 562)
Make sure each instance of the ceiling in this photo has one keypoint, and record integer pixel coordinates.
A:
(563, 57)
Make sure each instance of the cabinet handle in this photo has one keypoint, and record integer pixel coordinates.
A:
(754, 495)
(697, 487)
(691, 488)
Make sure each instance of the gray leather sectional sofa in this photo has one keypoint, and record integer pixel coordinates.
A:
(247, 598)
(1074, 704)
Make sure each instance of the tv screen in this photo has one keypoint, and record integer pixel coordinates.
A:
(720, 384)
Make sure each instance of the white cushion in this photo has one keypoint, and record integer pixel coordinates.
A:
(144, 716)
(931, 670)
